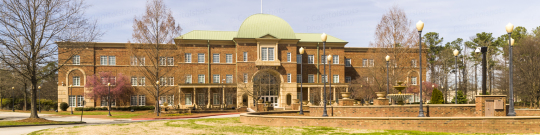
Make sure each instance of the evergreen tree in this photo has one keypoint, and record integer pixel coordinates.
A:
(461, 98)
(437, 97)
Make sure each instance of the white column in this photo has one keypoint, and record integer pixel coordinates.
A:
(209, 97)
(334, 93)
(347, 89)
(223, 95)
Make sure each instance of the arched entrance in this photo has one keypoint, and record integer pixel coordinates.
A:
(266, 86)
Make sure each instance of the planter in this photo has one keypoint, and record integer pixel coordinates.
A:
(304, 102)
(345, 95)
(295, 101)
(381, 95)
(260, 101)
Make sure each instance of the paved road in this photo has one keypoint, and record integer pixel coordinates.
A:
(89, 121)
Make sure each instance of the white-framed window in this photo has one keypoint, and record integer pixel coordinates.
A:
(311, 78)
(335, 59)
(200, 57)
(187, 57)
(245, 57)
(142, 81)
(76, 81)
(215, 58)
(216, 98)
(112, 79)
(298, 78)
(188, 79)
(299, 59)
(267, 53)
(310, 59)
(134, 81)
(170, 61)
(413, 62)
(76, 60)
(162, 99)
(162, 61)
(228, 58)
(170, 100)
(142, 100)
(201, 99)
(323, 59)
(289, 57)
(104, 101)
(162, 81)
(134, 61)
(215, 78)
(229, 100)
(80, 100)
(133, 100)
(112, 60)
(335, 79)
(364, 63)
(200, 78)
(245, 78)
(414, 81)
(347, 79)
(324, 79)
(142, 62)
(371, 63)
(72, 101)
(188, 98)
(103, 60)
(104, 80)
(228, 79)
(171, 81)
(289, 78)
(348, 62)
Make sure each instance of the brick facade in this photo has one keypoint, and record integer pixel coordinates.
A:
(435, 110)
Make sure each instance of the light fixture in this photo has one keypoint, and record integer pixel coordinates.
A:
(157, 82)
(420, 25)
(108, 84)
(477, 51)
(329, 57)
(12, 88)
(387, 58)
(70, 85)
(323, 37)
(511, 41)
(301, 50)
(456, 52)
(39, 87)
(509, 27)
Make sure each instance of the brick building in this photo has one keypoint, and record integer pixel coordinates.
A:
(233, 68)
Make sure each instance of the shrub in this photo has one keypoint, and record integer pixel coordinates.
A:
(64, 106)
(437, 97)
(461, 98)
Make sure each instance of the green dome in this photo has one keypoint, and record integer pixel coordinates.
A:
(259, 25)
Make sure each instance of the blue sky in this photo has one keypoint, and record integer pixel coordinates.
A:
(351, 20)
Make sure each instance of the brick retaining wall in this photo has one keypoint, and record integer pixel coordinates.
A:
(434, 110)
(527, 112)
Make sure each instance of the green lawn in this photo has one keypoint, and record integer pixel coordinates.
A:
(114, 114)
(12, 123)
(214, 126)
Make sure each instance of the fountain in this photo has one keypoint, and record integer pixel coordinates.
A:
(399, 98)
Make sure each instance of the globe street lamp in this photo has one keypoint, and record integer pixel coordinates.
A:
(12, 99)
(157, 97)
(456, 53)
(301, 78)
(329, 58)
(419, 27)
(509, 29)
(39, 102)
(323, 38)
(387, 77)
(109, 98)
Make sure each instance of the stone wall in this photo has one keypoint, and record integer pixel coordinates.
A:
(527, 112)
(439, 110)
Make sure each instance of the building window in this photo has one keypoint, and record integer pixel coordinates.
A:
(201, 99)
(112, 60)
(267, 53)
(200, 58)
(228, 79)
(245, 78)
(112, 79)
(142, 81)
(104, 101)
(103, 60)
(142, 100)
(215, 79)
(188, 79)
(187, 57)
(348, 62)
(215, 58)
(364, 63)
(298, 78)
(310, 59)
(134, 61)
(188, 98)
(133, 81)
(80, 100)
(335, 59)
(76, 60)
(371, 63)
(162, 61)
(170, 100)
(289, 78)
(323, 59)
(311, 79)
(216, 99)
(413, 63)
(162, 100)
(413, 81)
(133, 100)
(228, 58)
(299, 59)
(335, 79)
(72, 101)
(170, 61)
(324, 79)
(76, 81)
(201, 78)
(245, 57)
(162, 81)
(229, 100)
(288, 57)
(171, 81)
(347, 79)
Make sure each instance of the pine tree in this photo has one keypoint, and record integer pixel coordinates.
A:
(437, 97)
(461, 98)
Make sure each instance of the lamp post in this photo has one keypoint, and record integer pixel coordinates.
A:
(109, 98)
(39, 102)
(330, 58)
(323, 38)
(301, 78)
(419, 27)
(157, 104)
(509, 29)
(456, 53)
(484, 63)
(12, 99)
(71, 94)
(222, 93)
(387, 76)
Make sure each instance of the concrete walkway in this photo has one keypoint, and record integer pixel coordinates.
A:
(10, 116)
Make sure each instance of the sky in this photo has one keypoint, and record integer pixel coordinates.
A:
(350, 20)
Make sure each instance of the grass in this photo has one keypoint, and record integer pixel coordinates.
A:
(218, 126)
(178, 114)
(13, 123)
(115, 114)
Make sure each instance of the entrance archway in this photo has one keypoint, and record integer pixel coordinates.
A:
(266, 86)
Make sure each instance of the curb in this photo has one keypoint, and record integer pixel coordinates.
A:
(184, 117)
(40, 125)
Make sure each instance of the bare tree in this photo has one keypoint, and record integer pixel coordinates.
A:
(28, 32)
(153, 34)
(527, 69)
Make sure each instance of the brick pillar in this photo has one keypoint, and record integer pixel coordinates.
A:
(490, 105)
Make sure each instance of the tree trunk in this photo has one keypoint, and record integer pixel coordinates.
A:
(25, 97)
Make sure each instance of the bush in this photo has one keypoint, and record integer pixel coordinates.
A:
(64, 106)
(461, 98)
(437, 97)
(85, 109)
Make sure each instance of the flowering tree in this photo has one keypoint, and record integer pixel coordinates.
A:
(427, 89)
(120, 88)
